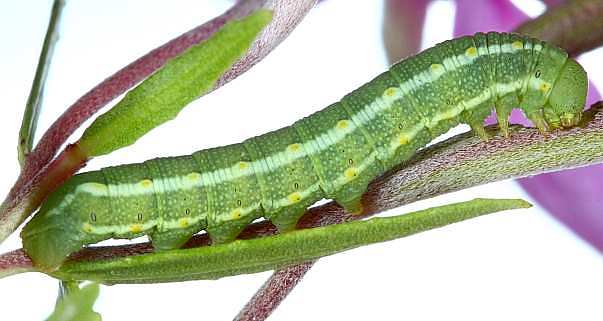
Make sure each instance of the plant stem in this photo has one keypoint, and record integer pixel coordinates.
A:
(573, 25)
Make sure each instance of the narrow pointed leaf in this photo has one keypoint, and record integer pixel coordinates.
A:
(182, 80)
(34, 101)
(261, 254)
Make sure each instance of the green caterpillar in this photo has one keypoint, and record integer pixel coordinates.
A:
(333, 153)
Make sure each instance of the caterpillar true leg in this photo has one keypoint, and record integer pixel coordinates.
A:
(475, 119)
(504, 106)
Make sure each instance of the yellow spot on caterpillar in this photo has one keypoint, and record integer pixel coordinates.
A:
(194, 176)
(403, 139)
(437, 68)
(87, 228)
(243, 165)
(183, 222)
(517, 44)
(391, 92)
(351, 173)
(236, 213)
(294, 147)
(294, 197)
(544, 87)
(146, 183)
(135, 228)
(471, 52)
(343, 124)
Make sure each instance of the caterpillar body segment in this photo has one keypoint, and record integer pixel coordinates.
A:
(333, 153)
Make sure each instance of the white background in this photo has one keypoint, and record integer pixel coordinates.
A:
(514, 265)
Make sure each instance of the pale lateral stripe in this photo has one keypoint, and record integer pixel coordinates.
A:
(118, 229)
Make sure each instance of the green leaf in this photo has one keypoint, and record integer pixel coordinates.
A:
(268, 253)
(182, 80)
(33, 106)
(76, 305)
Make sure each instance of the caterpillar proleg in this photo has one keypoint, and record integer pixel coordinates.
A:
(333, 153)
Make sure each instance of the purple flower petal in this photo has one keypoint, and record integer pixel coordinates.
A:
(571, 196)
(403, 27)
(486, 15)
(551, 3)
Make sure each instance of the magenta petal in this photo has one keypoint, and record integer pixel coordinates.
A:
(403, 27)
(572, 196)
(486, 15)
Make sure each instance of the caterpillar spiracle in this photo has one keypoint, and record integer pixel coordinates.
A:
(333, 153)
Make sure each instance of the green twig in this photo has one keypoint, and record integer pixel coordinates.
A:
(34, 102)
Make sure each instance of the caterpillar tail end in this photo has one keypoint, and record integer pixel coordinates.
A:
(48, 241)
(48, 250)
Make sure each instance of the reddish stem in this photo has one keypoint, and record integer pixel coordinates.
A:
(273, 292)
(21, 202)
(14, 260)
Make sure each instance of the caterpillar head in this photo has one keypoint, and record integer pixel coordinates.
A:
(64, 222)
(568, 95)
